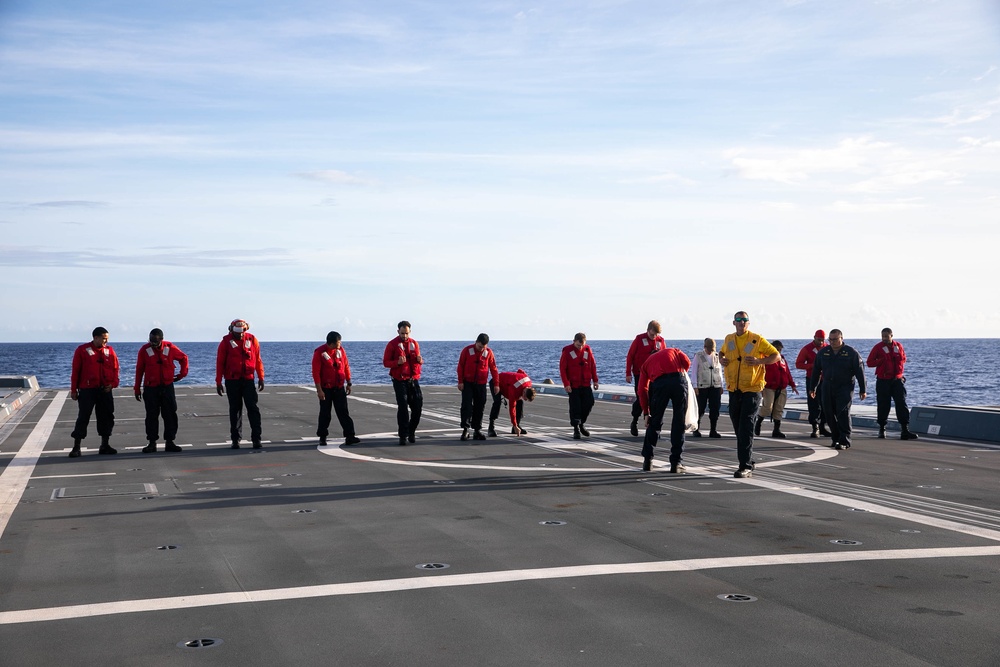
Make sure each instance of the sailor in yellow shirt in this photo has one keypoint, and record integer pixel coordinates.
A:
(743, 356)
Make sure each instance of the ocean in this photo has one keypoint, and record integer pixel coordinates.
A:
(943, 371)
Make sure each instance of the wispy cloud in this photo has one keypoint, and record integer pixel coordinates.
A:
(34, 256)
(877, 206)
(336, 177)
(792, 166)
(70, 203)
(961, 117)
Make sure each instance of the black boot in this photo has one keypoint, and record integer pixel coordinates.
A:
(907, 434)
(465, 434)
(881, 431)
(171, 447)
(106, 448)
(815, 432)
(76, 448)
(647, 463)
(634, 428)
(584, 431)
(351, 440)
(776, 433)
(576, 433)
(823, 431)
(756, 427)
(150, 448)
(713, 433)
(322, 441)
(491, 431)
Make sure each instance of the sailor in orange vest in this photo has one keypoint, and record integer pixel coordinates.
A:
(155, 371)
(888, 359)
(641, 348)
(661, 381)
(94, 375)
(515, 388)
(332, 374)
(578, 372)
(237, 360)
(476, 364)
(402, 358)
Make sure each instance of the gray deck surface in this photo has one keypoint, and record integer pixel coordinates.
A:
(633, 576)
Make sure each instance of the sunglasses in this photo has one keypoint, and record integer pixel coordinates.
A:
(742, 319)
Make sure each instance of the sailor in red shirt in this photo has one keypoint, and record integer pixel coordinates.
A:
(155, 364)
(644, 345)
(888, 359)
(661, 382)
(578, 371)
(402, 358)
(476, 364)
(805, 361)
(237, 360)
(515, 388)
(94, 375)
(332, 374)
(777, 377)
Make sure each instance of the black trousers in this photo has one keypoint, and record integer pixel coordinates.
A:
(743, 408)
(636, 406)
(335, 400)
(888, 392)
(158, 401)
(711, 398)
(498, 401)
(407, 396)
(816, 416)
(581, 402)
(837, 408)
(240, 393)
(666, 390)
(104, 402)
(473, 405)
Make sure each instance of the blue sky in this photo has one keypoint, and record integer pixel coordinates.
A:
(526, 169)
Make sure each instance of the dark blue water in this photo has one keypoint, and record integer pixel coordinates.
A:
(950, 371)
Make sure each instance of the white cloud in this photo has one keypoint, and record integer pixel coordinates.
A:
(336, 177)
(877, 206)
(959, 117)
(794, 166)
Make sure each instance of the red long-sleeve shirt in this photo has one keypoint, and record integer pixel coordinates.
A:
(666, 361)
(330, 367)
(887, 360)
(238, 359)
(94, 367)
(477, 367)
(577, 368)
(639, 351)
(777, 376)
(155, 367)
(512, 386)
(408, 349)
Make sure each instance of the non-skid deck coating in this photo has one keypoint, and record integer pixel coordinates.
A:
(533, 551)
